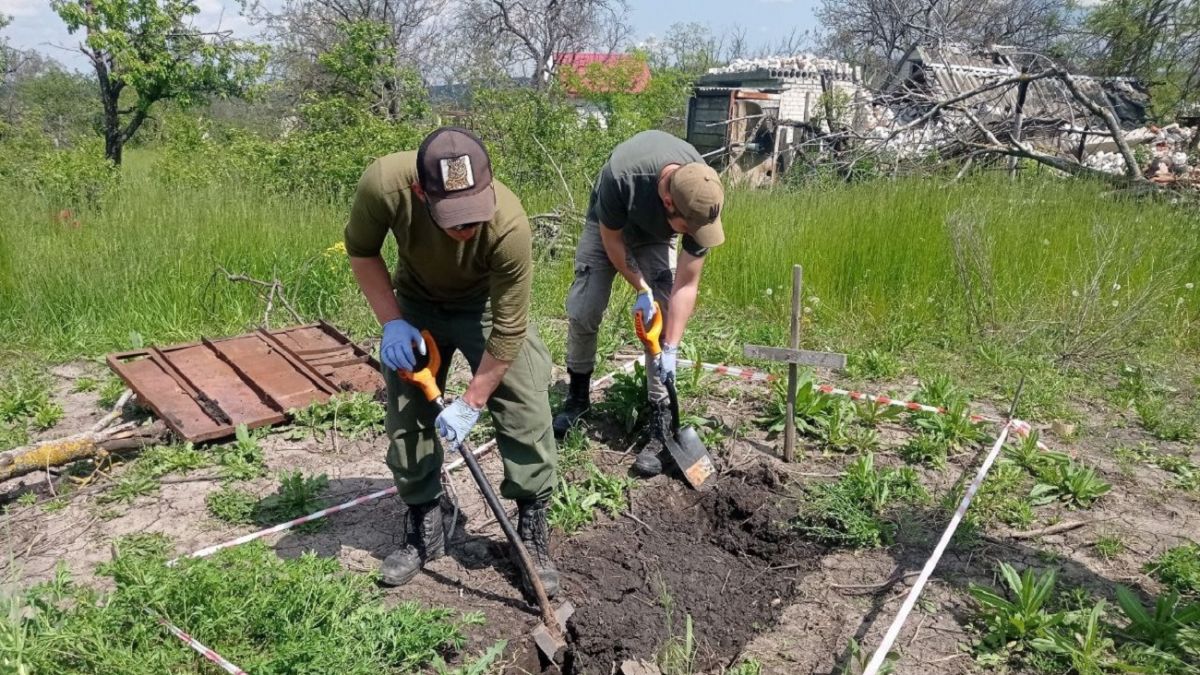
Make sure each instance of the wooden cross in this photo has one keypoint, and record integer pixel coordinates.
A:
(795, 357)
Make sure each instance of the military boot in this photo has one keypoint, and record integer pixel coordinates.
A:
(423, 542)
(535, 534)
(579, 395)
(649, 462)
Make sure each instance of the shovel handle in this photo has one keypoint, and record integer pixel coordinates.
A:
(425, 378)
(650, 335)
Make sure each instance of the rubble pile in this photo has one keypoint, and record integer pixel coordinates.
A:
(1167, 148)
(806, 63)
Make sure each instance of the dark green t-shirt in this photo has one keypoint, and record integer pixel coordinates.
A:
(625, 196)
(496, 264)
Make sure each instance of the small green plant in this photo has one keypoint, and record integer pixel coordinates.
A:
(1163, 421)
(873, 365)
(1013, 617)
(857, 660)
(574, 503)
(1108, 547)
(47, 416)
(573, 450)
(22, 395)
(625, 398)
(161, 460)
(812, 406)
(297, 496)
(954, 427)
(243, 459)
(1162, 629)
(131, 485)
(12, 435)
(833, 428)
(1178, 568)
(749, 666)
(1026, 454)
(351, 415)
(873, 413)
(27, 499)
(925, 449)
(85, 385)
(1086, 645)
(677, 656)
(1074, 484)
(852, 511)
(110, 392)
(939, 391)
(484, 664)
(232, 505)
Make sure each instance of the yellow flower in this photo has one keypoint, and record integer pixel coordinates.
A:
(338, 248)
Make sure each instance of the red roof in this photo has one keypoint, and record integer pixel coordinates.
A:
(579, 63)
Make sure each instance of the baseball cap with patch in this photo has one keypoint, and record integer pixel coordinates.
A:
(699, 196)
(456, 176)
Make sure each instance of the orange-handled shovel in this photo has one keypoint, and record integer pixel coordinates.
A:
(549, 635)
(684, 444)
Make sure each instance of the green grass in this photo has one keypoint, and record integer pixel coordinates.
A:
(855, 511)
(1179, 569)
(264, 613)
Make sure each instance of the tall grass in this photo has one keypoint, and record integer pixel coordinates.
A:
(140, 265)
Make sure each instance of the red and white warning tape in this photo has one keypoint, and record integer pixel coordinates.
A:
(195, 644)
(747, 374)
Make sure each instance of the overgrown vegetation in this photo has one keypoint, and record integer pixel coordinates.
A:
(855, 510)
(265, 613)
(350, 415)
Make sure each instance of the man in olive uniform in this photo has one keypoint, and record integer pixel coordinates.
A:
(463, 273)
(655, 186)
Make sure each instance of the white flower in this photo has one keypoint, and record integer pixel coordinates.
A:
(929, 300)
(1074, 294)
(1116, 303)
(770, 291)
(1178, 301)
(1189, 285)
(1116, 287)
(815, 300)
(1045, 242)
(808, 310)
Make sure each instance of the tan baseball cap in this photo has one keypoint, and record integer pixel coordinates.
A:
(699, 196)
(456, 176)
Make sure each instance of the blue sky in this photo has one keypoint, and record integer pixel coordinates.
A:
(36, 26)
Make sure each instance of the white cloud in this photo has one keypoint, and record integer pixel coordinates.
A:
(16, 8)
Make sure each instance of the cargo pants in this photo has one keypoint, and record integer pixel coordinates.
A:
(590, 291)
(520, 410)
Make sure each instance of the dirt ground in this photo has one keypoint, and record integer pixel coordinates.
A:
(725, 557)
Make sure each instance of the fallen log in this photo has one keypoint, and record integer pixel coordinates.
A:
(105, 436)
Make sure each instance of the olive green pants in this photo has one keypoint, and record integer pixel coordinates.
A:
(520, 410)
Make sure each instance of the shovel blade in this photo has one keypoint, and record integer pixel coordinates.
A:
(691, 457)
(551, 644)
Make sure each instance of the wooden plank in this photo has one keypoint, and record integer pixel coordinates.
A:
(789, 438)
(832, 360)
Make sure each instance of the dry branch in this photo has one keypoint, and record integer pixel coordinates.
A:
(105, 436)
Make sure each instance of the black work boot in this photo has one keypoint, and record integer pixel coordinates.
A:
(423, 542)
(535, 534)
(649, 461)
(579, 395)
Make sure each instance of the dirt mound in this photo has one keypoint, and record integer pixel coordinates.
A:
(724, 557)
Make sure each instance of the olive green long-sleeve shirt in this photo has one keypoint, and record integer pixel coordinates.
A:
(495, 265)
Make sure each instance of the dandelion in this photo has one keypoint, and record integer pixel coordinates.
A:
(1116, 303)
(1116, 287)
(770, 292)
(338, 248)
(1189, 285)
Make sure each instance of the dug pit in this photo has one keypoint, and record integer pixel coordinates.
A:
(724, 557)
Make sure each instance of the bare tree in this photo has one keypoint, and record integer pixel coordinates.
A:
(302, 30)
(877, 33)
(531, 32)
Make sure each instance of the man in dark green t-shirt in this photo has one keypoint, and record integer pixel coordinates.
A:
(464, 272)
(654, 187)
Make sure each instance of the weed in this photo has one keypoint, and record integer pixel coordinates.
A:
(110, 392)
(1027, 455)
(297, 496)
(12, 436)
(812, 406)
(999, 499)
(243, 459)
(27, 499)
(954, 427)
(574, 503)
(1014, 623)
(1178, 568)
(483, 665)
(1086, 646)
(47, 416)
(833, 428)
(130, 486)
(351, 415)
(851, 511)
(1164, 422)
(161, 460)
(573, 450)
(677, 656)
(1162, 629)
(55, 505)
(1187, 475)
(625, 399)
(1109, 547)
(232, 505)
(267, 614)
(1077, 485)
(749, 666)
(85, 385)
(22, 395)
(925, 449)
(939, 391)
(873, 413)
(873, 365)
(857, 660)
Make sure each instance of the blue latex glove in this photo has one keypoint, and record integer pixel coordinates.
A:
(645, 305)
(666, 362)
(396, 349)
(455, 422)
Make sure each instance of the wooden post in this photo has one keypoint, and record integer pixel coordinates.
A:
(1018, 122)
(789, 437)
